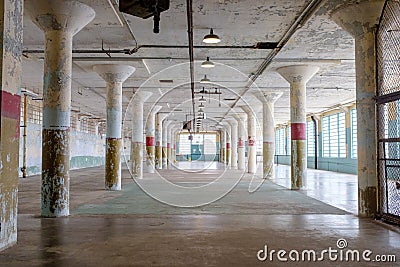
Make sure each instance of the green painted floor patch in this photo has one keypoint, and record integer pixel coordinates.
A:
(269, 199)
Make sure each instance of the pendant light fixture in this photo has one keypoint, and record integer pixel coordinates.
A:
(207, 63)
(211, 38)
(205, 79)
(201, 106)
(202, 100)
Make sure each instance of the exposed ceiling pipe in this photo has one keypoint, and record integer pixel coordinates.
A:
(127, 51)
(189, 11)
(305, 14)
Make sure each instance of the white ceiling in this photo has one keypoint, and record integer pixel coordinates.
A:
(239, 23)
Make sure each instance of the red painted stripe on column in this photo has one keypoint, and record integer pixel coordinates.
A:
(174, 146)
(228, 145)
(168, 145)
(10, 105)
(240, 143)
(298, 131)
(251, 141)
(149, 140)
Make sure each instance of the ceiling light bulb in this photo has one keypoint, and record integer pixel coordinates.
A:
(211, 38)
(205, 79)
(207, 63)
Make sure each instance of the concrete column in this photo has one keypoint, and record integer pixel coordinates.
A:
(268, 99)
(150, 139)
(228, 137)
(241, 119)
(298, 76)
(251, 140)
(60, 21)
(169, 143)
(360, 19)
(223, 145)
(158, 139)
(11, 51)
(234, 142)
(137, 133)
(165, 143)
(174, 145)
(114, 76)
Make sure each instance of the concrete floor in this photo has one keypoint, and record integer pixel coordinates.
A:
(129, 228)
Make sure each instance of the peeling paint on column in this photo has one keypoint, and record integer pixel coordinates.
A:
(234, 143)
(150, 139)
(251, 140)
(268, 159)
(137, 133)
(298, 76)
(241, 120)
(228, 154)
(137, 160)
(59, 31)
(114, 76)
(55, 173)
(360, 21)
(113, 164)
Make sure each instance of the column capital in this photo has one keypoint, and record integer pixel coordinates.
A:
(297, 73)
(162, 116)
(268, 96)
(155, 109)
(114, 72)
(249, 111)
(358, 18)
(240, 117)
(59, 15)
(232, 121)
(166, 123)
(141, 96)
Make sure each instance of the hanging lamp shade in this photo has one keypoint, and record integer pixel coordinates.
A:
(207, 63)
(211, 38)
(205, 80)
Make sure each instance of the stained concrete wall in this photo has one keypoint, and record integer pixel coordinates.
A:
(87, 150)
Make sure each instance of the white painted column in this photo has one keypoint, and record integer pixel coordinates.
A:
(158, 139)
(268, 99)
(360, 20)
(150, 139)
(165, 145)
(251, 140)
(222, 145)
(114, 75)
(137, 133)
(241, 119)
(228, 138)
(234, 143)
(298, 76)
(60, 21)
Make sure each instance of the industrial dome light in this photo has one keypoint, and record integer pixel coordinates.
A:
(202, 100)
(207, 63)
(205, 79)
(211, 38)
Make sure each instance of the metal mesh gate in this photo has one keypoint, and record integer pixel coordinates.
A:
(388, 111)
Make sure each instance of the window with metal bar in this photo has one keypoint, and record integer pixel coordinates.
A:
(334, 136)
(353, 129)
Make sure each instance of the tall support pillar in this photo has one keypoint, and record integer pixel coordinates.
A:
(11, 51)
(158, 139)
(137, 133)
(114, 76)
(360, 20)
(60, 21)
(234, 142)
(268, 99)
(223, 145)
(298, 76)
(228, 138)
(165, 143)
(251, 140)
(169, 144)
(241, 120)
(150, 139)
